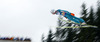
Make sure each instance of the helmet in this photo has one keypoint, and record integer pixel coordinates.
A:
(53, 11)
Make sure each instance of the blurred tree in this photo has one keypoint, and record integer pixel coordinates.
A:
(98, 14)
(43, 38)
(97, 22)
(91, 17)
(60, 31)
(84, 12)
(50, 36)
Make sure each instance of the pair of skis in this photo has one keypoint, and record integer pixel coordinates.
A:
(79, 25)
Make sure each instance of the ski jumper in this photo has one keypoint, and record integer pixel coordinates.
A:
(70, 16)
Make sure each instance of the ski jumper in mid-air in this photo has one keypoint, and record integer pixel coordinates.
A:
(68, 15)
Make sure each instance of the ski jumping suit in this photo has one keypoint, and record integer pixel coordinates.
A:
(70, 16)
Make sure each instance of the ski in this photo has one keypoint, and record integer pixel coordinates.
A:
(80, 25)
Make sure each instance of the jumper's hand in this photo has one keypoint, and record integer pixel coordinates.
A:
(63, 13)
(66, 17)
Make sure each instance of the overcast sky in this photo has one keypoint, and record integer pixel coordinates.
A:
(32, 18)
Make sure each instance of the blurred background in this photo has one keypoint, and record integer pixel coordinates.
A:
(32, 19)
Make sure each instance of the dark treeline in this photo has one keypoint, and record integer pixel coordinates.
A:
(89, 34)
